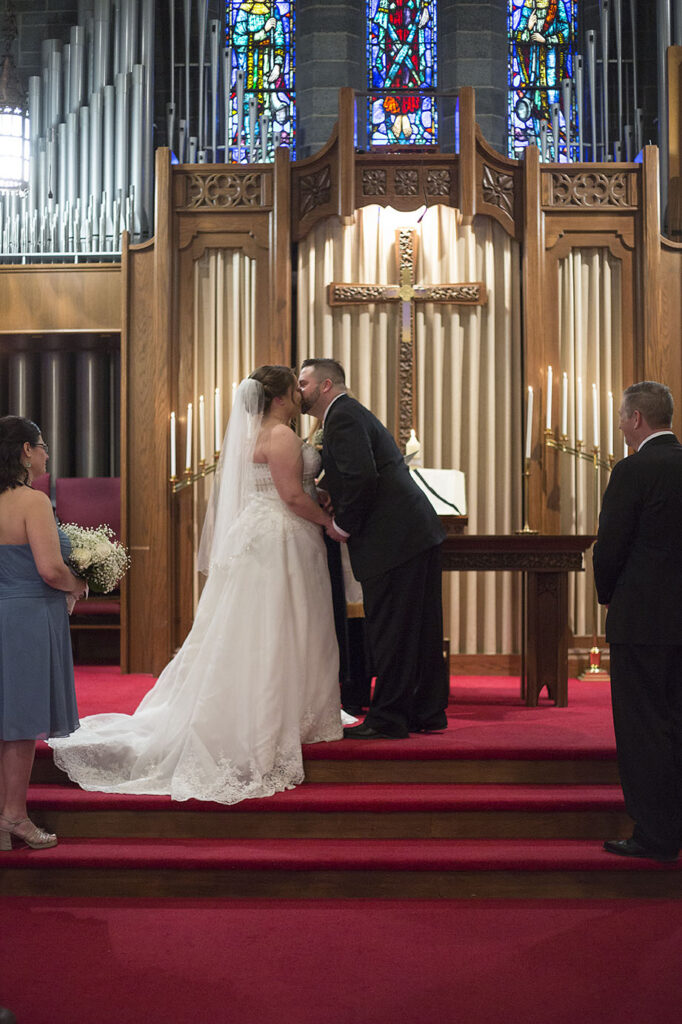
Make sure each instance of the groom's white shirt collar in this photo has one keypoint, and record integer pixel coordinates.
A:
(326, 411)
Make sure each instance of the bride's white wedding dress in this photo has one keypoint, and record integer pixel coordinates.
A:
(256, 677)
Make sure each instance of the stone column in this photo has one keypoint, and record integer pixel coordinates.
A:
(330, 53)
(473, 50)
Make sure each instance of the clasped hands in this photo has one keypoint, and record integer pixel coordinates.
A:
(326, 503)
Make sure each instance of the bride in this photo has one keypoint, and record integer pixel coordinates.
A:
(257, 675)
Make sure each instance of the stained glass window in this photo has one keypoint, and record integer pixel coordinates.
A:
(260, 35)
(401, 62)
(541, 46)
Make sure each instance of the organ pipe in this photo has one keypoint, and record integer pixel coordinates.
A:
(91, 140)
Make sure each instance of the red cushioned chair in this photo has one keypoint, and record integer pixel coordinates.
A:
(92, 501)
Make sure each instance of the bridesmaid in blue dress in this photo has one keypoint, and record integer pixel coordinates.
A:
(37, 696)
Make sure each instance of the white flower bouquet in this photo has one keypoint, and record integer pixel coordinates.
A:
(96, 557)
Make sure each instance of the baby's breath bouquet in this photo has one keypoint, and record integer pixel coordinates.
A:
(96, 557)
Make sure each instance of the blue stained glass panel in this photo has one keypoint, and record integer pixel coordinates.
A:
(401, 69)
(541, 37)
(260, 34)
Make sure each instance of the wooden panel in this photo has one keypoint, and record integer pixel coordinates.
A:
(499, 186)
(669, 350)
(38, 299)
(406, 181)
(146, 369)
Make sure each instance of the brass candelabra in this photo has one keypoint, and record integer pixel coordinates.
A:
(190, 478)
(580, 451)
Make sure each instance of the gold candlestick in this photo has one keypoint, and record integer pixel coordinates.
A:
(524, 498)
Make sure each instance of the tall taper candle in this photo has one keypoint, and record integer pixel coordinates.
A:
(564, 405)
(188, 456)
(218, 419)
(579, 414)
(529, 421)
(610, 412)
(548, 423)
(202, 430)
(173, 467)
(595, 415)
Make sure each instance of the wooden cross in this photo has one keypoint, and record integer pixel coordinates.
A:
(407, 293)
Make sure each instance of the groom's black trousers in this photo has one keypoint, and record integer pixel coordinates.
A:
(404, 617)
(355, 675)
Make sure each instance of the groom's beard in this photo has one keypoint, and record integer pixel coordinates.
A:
(309, 402)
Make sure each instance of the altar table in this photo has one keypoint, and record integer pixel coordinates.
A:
(545, 560)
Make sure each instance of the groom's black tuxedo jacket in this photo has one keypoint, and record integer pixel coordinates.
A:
(388, 517)
(638, 554)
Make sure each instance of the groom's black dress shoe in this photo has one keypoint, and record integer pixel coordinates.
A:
(631, 848)
(356, 712)
(437, 724)
(366, 732)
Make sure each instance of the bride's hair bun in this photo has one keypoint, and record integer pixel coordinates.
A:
(275, 381)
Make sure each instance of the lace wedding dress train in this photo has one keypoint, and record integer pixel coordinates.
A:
(256, 677)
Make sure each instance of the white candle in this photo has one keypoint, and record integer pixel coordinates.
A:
(595, 415)
(173, 466)
(610, 414)
(202, 429)
(218, 419)
(548, 424)
(564, 405)
(579, 414)
(529, 421)
(188, 457)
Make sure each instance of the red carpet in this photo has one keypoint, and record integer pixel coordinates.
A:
(487, 719)
(265, 962)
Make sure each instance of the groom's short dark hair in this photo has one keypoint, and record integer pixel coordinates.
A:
(327, 369)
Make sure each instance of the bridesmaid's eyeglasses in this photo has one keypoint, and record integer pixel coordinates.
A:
(41, 444)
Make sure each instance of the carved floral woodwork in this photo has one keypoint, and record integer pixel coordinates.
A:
(418, 181)
(438, 182)
(589, 189)
(374, 181)
(224, 189)
(498, 189)
(314, 190)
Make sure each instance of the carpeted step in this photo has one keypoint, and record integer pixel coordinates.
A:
(373, 769)
(347, 868)
(330, 811)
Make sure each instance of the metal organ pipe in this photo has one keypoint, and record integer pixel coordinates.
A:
(146, 199)
(101, 44)
(96, 119)
(605, 77)
(77, 63)
(137, 113)
(662, 44)
(122, 116)
(109, 159)
(87, 150)
(202, 14)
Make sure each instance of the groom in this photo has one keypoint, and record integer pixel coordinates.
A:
(394, 539)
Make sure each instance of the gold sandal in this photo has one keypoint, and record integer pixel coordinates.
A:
(34, 837)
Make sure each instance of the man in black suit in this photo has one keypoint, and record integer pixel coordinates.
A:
(394, 540)
(638, 574)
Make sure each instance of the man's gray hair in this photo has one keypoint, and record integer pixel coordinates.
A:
(653, 400)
